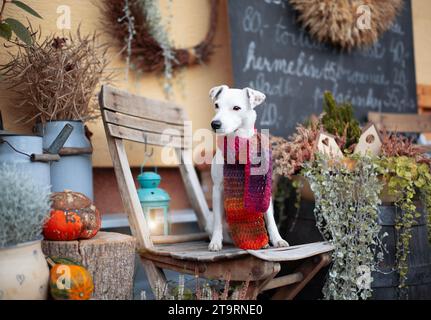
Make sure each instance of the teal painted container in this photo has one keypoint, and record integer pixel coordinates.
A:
(153, 197)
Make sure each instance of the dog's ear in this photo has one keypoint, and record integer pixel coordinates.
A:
(255, 97)
(216, 91)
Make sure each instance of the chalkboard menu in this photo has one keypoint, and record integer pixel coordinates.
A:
(272, 53)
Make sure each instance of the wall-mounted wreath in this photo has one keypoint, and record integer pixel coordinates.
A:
(139, 23)
(335, 22)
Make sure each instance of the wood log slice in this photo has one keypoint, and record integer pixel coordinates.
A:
(109, 257)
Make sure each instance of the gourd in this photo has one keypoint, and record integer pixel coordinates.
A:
(73, 217)
(69, 280)
(62, 226)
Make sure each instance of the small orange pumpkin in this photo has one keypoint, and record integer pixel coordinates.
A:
(70, 280)
(72, 204)
(62, 226)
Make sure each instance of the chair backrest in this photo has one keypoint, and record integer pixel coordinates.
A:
(143, 120)
(401, 122)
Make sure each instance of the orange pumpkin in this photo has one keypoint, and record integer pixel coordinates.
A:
(62, 226)
(70, 280)
(72, 204)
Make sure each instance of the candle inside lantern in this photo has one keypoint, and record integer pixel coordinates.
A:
(154, 201)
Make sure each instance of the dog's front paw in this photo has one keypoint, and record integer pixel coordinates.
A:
(278, 243)
(215, 245)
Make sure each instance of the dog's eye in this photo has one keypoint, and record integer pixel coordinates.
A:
(236, 108)
(216, 105)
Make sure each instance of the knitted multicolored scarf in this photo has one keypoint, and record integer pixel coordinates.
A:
(247, 174)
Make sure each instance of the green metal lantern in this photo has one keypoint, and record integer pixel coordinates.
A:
(153, 199)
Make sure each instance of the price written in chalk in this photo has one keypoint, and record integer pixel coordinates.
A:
(273, 54)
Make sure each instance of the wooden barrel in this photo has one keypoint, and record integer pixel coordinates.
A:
(385, 285)
(301, 228)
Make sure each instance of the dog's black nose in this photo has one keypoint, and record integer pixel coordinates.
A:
(216, 124)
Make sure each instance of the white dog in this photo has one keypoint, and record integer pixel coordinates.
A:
(235, 115)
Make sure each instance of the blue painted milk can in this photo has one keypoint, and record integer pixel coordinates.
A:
(74, 171)
(16, 149)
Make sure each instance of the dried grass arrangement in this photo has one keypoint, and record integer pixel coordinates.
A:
(147, 53)
(56, 78)
(208, 290)
(396, 145)
(289, 156)
(335, 21)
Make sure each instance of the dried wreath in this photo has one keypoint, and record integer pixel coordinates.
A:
(336, 21)
(149, 48)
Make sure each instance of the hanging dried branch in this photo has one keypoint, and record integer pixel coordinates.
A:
(147, 53)
(56, 78)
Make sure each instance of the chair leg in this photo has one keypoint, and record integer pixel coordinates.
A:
(309, 269)
(253, 290)
(155, 275)
(264, 282)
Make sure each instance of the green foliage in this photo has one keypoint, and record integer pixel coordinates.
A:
(338, 119)
(24, 206)
(19, 29)
(9, 25)
(346, 213)
(5, 31)
(26, 8)
(405, 178)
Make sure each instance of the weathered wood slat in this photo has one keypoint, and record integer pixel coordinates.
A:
(209, 255)
(180, 247)
(193, 187)
(292, 253)
(126, 185)
(197, 251)
(147, 137)
(179, 238)
(401, 122)
(138, 106)
(143, 124)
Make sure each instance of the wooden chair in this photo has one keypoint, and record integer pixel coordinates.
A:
(143, 120)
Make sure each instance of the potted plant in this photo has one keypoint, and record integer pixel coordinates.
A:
(56, 79)
(24, 207)
(358, 200)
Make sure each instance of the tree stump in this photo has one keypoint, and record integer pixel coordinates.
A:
(109, 257)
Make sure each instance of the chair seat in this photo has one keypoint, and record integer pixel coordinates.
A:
(292, 253)
(198, 251)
